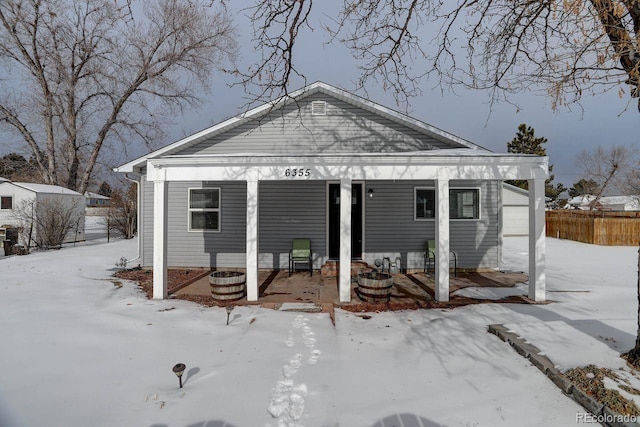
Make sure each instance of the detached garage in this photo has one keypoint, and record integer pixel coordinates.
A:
(42, 213)
(515, 211)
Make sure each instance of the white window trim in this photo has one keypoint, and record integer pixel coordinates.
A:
(415, 201)
(479, 203)
(13, 202)
(415, 198)
(218, 209)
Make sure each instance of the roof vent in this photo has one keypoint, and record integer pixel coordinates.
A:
(319, 108)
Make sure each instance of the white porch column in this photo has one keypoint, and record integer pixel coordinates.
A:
(160, 239)
(252, 240)
(537, 246)
(345, 240)
(442, 240)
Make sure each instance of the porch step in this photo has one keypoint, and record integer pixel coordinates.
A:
(331, 268)
(302, 307)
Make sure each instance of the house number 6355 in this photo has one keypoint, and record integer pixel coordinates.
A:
(297, 172)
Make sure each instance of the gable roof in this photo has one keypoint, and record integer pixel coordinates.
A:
(317, 87)
(91, 195)
(510, 187)
(43, 188)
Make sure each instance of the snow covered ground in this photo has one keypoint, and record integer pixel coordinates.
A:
(78, 349)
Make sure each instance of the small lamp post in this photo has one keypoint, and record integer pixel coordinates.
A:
(229, 310)
(179, 370)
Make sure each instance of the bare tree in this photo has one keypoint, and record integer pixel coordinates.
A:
(566, 47)
(607, 167)
(47, 223)
(123, 211)
(631, 182)
(82, 75)
(276, 26)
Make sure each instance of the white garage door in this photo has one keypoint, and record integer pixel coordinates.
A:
(515, 221)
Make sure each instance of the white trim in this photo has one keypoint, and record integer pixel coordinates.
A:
(358, 168)
(252, 239)
(363, 223)
(344, 281)
(479, 190)
(415, 203)
(190, 210)
(537, 244)
(415, 196)
(442, 240)
(160, 276)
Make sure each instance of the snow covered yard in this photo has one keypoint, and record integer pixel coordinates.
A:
(80, 350)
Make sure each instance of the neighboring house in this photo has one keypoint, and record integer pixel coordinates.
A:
(618, 203)
(360, 180)
(18, 195)
(95, 200)
(580, 202)
(605, 203)
(515, 210)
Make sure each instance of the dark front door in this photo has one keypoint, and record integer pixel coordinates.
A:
(334, 221)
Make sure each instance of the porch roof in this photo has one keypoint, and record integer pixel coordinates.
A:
(429, 165)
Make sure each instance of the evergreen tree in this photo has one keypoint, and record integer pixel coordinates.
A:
(584, 187)
(15, 167)
(105, 189)
(526, 142)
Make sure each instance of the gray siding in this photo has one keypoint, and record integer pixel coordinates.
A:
(391, 229)
(345, 128)
(199, 249)
(290, 210)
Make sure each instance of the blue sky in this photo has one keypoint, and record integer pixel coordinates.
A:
(464, 113)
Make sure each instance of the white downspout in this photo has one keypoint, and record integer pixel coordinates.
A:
(138, 212)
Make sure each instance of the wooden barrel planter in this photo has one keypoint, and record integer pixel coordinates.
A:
(227, 285)
(374, 286)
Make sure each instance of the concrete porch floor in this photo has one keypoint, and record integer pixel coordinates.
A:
(277, 287)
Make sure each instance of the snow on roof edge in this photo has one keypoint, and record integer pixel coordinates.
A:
(45, 188)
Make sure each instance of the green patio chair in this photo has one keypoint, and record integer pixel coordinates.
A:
(300, 253)
(430, 257)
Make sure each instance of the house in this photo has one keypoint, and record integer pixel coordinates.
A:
(605, 203)
(95, 200)
(360, 180)
(16, 198)
(580, 202)
(618, 203)
(515, 210)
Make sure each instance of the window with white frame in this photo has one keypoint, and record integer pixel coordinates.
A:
(425, 203)
(6, 202)
(204, 209)
(464, 203)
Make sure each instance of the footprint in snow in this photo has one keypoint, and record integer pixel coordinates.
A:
(313, 359)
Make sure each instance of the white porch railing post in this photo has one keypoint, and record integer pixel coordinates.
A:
(252, 241)
(345, 240)
(537, 245)
(442, 240)
(160, 239)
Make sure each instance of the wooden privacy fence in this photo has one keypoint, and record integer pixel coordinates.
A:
(595, 227)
